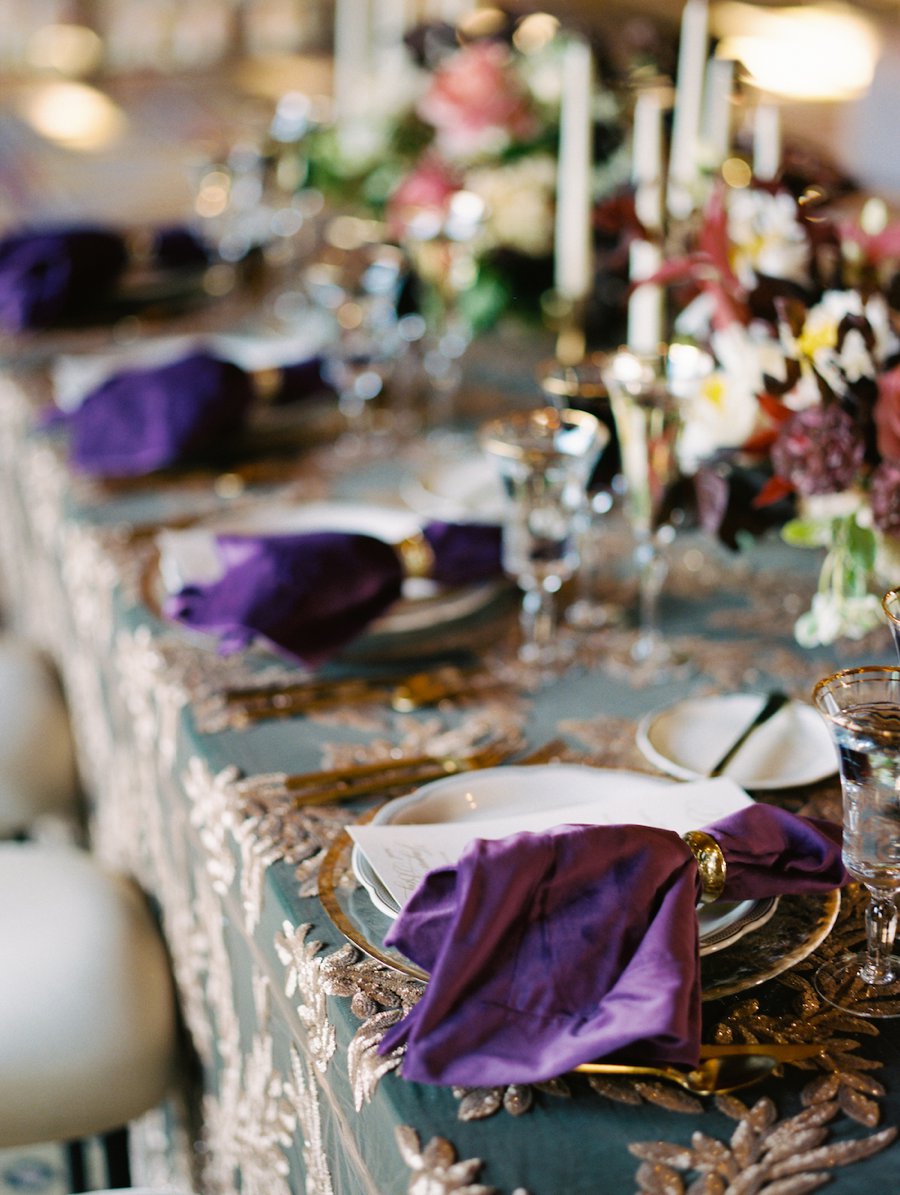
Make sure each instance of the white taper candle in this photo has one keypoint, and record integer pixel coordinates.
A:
(766, 141)
(574, 264)
(716, 135)
(683, 161)
(352, 58)
(645, 304)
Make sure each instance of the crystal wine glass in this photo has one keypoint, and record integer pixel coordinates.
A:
(861, 707)
(544, 458)
(648, 393)
(581, 385)
(357, 282)
(891, 606)
(442, 244)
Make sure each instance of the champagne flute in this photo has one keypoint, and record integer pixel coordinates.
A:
(648, 393)
(861, 707)
(544, 458)
(891, 605)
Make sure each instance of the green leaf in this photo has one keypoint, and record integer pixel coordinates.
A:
(808, 533)
(483, 304)
(862, 545)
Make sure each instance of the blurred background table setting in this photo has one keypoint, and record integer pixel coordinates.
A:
(450, 454)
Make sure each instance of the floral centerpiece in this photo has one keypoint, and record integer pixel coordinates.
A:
(801, 308)
(480, 117)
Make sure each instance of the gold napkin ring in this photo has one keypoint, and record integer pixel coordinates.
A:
(416, 555)
(710, 864)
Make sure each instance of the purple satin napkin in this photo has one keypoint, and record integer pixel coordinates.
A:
(548, 950)
(47, 276)
(310, 594)
(140, 420)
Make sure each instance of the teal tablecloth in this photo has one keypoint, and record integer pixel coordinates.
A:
(282, 1015)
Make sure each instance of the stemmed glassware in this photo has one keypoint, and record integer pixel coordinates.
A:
(357, 283)
(861, 707)
(891, 605)
(544, 458)
(648, 393)
(442, 246)
(580, 385)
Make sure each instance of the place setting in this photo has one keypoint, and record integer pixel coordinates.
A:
(377, 871)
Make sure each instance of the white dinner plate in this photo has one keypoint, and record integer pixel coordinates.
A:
(688, 738)
(464, 488)
(189, 556)
(533, 793)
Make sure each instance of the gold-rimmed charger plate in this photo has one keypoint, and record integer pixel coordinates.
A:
(798, 926)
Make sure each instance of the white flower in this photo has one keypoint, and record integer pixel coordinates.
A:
(819, 336)
(725, 411)
(834, 616)
(766, 237)
(519, 201)
(887, 560)
(824, 508)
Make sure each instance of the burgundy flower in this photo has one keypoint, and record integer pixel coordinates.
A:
(884, 496)
(819, 451)
(887, 414)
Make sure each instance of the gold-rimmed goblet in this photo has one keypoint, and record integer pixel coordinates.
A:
(861, 707)
(544, 458)
(648, 393)
(890, 603)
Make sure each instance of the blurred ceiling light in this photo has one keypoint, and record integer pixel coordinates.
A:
(736, 173)
(534, 32)
(69, 49)
(823, 52)
(73, 115)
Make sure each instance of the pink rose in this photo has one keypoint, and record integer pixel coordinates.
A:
(427, 187)
(887, 414)
(473, 95)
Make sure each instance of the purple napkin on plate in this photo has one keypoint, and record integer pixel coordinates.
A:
(310, 594)
(47, 275)
(140, 420)
(548, 950)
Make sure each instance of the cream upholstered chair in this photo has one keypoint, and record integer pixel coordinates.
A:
(87, 1009)
(37, 759)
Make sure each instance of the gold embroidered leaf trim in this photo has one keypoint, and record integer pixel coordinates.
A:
(658, 1179)
(518, 1098)
(620, 1090)
(764, 1155)
(435, 1170)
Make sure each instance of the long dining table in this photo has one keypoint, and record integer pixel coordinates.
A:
(284, 990)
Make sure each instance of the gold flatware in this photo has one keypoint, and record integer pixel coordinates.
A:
(382, 776)
(718, 1072)
(404, 693)
(783, 1051)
